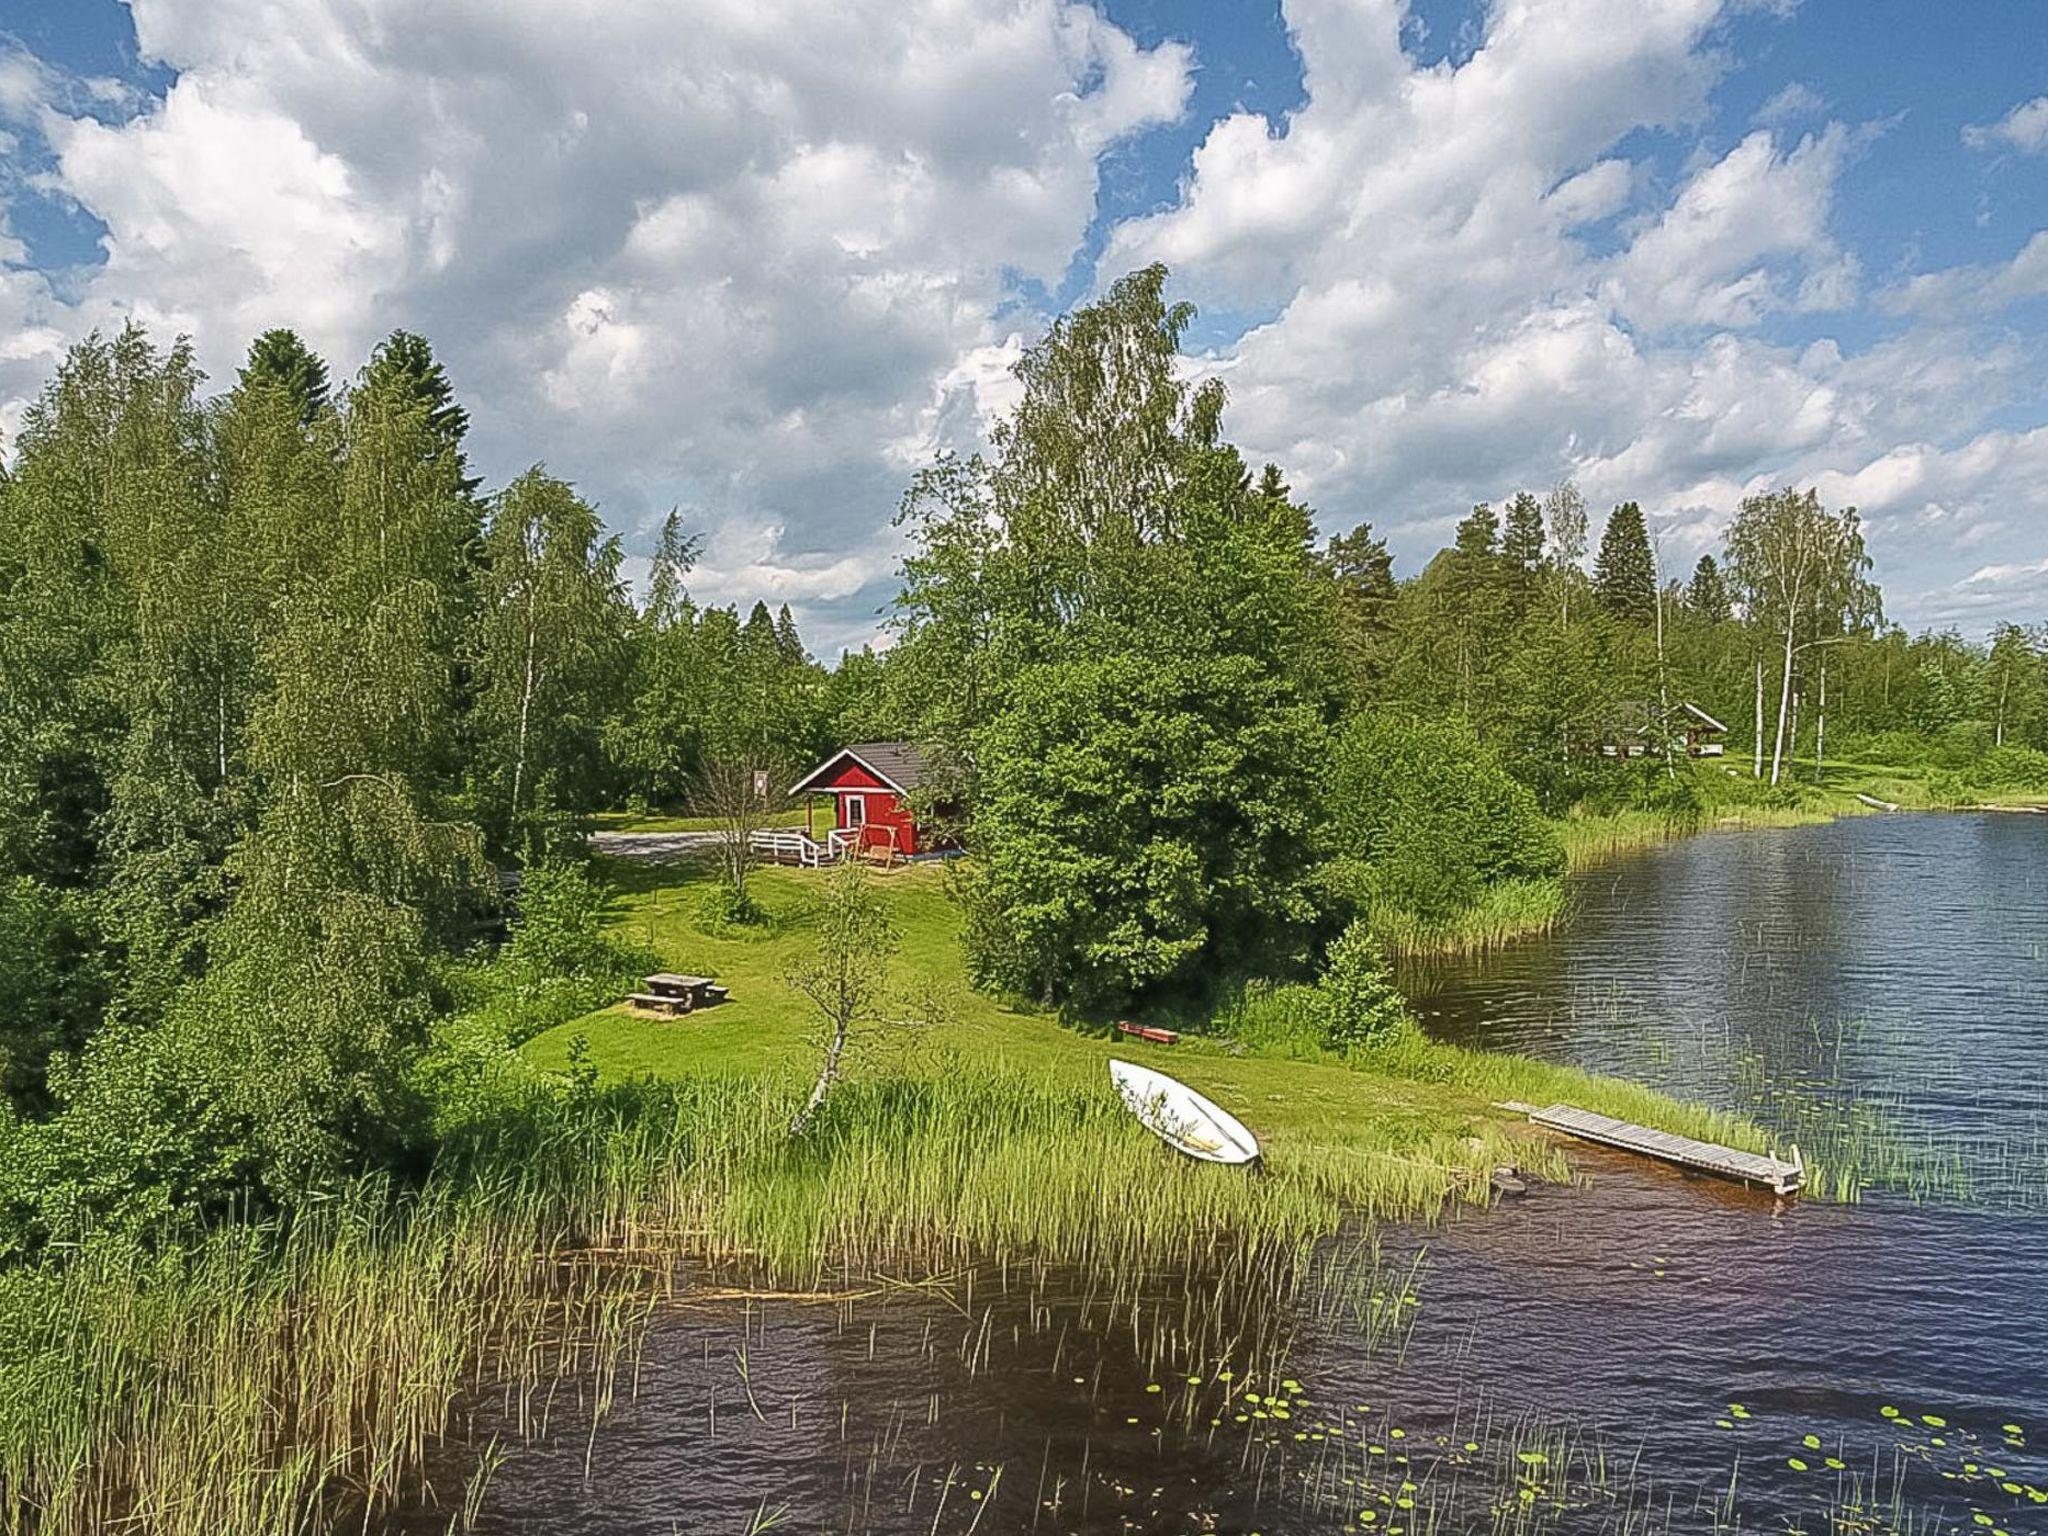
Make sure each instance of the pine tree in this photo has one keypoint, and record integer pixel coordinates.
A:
(1363, 571)
(1625, 571)
(1707, 594)
(1522, 538)
(1477, 538)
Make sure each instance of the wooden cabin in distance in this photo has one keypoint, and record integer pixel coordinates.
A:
(1638, 728)
(871, 783)
(1704, 735)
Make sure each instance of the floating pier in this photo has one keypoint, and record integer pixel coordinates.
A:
(1769, 1172)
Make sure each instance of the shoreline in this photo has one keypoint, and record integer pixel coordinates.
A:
(1521, 910)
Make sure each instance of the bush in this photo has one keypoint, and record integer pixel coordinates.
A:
(719, 908)
(560, 930)
(1360, 1003)
(2011, 768)
(1428, 819)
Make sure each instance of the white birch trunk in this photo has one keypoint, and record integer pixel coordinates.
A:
(1784, 710)
(1820, 724)
(1756, 770)
(525, 713)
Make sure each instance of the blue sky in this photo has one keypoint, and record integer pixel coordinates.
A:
(760, 260)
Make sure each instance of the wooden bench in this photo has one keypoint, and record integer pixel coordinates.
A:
(672, 994)
(1148, 1032)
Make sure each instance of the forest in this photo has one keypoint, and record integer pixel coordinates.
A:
(288, 691)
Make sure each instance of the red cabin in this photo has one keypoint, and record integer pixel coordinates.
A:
(871, 783)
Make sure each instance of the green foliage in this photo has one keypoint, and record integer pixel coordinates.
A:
(1127, 648)
(1362, 571)
(550, 663)
(1141, 822)
(1360, 1004)
(53, 984)
(721, 908)
(1707, 594)
(1625, 571)
(279, 360)
(1522, 534)
(1422, 818)
(560, 930)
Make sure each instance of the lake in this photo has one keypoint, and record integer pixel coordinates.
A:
(1643, 1352)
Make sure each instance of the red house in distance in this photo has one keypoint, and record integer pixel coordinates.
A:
(871, 783)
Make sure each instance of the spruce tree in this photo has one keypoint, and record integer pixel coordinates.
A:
(405, 369)
(279, 358)
(1522, 538)
(788, 641)
(1707, 594)
(1625, 571)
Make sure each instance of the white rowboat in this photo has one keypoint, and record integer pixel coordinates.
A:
(1181, 1117)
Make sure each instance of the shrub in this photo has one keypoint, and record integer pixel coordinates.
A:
(720, 909)
(1428, 818)
(1361, 1005)
(560, 929)
(2012, 768)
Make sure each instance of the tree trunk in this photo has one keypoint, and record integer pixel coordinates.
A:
(1663, 687)
(525, 715)
(1820, 724)
(1756, 770)
(1784, 711)
(827, 1075)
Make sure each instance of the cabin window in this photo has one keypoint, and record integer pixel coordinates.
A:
(856, 810)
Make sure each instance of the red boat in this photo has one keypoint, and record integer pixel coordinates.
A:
(1149, 1032)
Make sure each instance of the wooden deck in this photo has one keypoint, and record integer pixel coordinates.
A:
(1772, 1173)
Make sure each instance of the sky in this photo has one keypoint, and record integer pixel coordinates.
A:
(759, 260)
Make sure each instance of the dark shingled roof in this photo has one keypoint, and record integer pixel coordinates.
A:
(902, 763)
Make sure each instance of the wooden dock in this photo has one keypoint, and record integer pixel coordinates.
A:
(1772, 1173)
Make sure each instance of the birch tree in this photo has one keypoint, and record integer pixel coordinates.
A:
(551, 657)
(843, 973)
(1564, 511)
(1802, 571)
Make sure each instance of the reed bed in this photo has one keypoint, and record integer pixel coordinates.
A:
(1513, 909)
(287, 1376)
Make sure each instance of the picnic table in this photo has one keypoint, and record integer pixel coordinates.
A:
(666, 992)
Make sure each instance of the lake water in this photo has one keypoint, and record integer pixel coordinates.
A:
(1645, 1352)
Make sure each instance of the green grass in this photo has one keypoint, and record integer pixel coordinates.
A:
(1399, 1110)
(287, 1378)
(1511, 910)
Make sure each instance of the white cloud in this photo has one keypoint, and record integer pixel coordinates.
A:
(733, 256)
(1446, 331)
(1718, 255)
(1796, 101)
(2024, 128)
(1977, 289)
(760, 262)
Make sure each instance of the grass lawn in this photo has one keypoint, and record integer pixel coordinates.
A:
(1419, 1114)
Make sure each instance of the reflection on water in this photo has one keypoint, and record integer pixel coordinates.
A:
(1649, 1352)
(1876, 986)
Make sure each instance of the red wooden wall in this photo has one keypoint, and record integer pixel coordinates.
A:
(886, 813)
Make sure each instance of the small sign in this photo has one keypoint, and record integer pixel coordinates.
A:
(760, 783)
